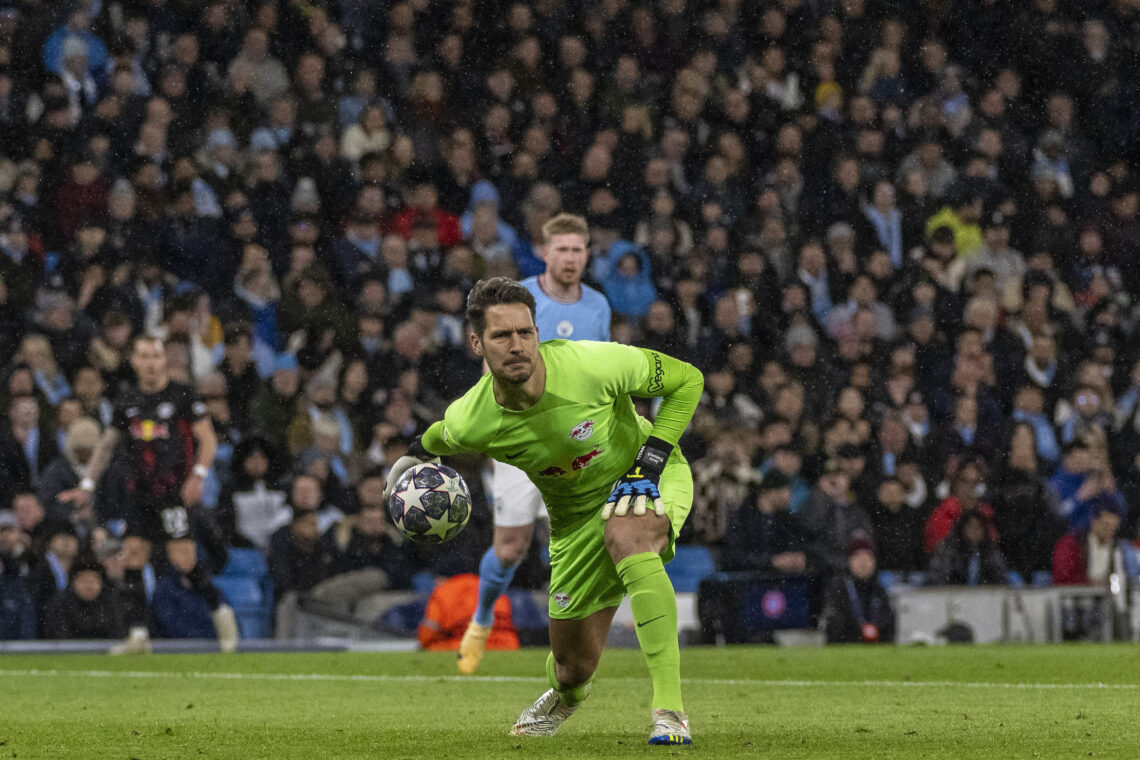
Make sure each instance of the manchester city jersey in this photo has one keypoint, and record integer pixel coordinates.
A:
(588, 318)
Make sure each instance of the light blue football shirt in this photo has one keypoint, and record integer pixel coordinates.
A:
(588, 318)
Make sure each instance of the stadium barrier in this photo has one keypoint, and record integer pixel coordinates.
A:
(1015, 615)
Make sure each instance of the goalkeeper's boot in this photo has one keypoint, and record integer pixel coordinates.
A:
(472, 647)
(226, 625)
(138, 642)
(670, 727)
(544, 717)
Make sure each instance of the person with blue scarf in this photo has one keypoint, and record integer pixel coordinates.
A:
(885, 221)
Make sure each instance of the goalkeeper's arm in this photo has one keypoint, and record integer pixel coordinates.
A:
(427, 448)
(679, 384)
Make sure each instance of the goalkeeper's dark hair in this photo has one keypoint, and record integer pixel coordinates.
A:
(494, 291)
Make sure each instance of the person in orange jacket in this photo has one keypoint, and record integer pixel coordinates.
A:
(451, 607)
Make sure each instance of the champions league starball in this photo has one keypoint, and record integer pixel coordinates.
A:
(430, 504)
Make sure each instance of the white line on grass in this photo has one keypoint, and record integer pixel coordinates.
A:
(363, 678)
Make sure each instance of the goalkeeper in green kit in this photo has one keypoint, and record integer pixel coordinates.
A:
(615, 485)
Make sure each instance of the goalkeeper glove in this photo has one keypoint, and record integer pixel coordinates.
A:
(416, 454)
(639, 486)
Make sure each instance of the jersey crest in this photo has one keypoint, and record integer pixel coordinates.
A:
(583, 430)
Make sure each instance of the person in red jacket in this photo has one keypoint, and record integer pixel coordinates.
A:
(964, 497)
(1088, 557)
(451, 607)
(423, 204)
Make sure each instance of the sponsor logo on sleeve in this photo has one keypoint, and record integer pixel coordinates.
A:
(657, 382)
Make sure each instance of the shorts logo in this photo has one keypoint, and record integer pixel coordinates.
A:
(583, 430)
(583, 461)
(552, 471)
(562, 600)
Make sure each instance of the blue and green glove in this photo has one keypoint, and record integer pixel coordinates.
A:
(639, 487)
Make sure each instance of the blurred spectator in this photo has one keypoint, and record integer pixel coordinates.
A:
(182, 606)
(856, 608)
(967, 488)
(300, 557)
(65, 471)
(369, 541)
(18, 620)
(1083, 475)
(897, 529)
(831, 518)
(87, 608)
(50, 576)
(969, 556)
(253, 508)
(1088, 557)
(274, 407)
(14, 545)
(26, 448)
(721, 482)
(1025, 507)
(763, 534)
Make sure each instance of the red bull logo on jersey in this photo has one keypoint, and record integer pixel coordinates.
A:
(582, 462)
(552, 472)
(583, 430)
(148, 430)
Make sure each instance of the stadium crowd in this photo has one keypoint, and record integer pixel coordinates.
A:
(899, 237)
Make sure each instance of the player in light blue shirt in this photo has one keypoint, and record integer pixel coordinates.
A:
(585, 317)
(567, 309)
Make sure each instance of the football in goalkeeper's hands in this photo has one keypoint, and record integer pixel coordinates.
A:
(430, 504)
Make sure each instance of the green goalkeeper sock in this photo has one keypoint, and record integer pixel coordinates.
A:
(570, 697)
(654, 605)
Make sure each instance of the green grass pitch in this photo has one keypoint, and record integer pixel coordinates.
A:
(843, 702)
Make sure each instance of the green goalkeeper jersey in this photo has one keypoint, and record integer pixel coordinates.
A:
(583, 433)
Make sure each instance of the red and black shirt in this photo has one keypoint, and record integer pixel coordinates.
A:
(158, 433)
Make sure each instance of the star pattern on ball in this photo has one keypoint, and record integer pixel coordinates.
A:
(431, 504)
(411, 494)
(439, 527)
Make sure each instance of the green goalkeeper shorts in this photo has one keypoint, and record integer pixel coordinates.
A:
(583, 578)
